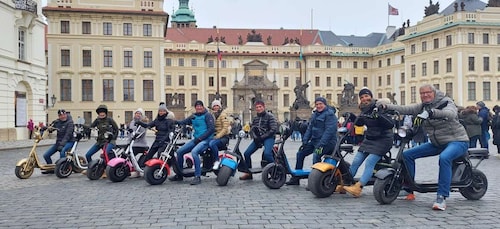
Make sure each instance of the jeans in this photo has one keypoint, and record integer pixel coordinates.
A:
(447, 154)
(96, 147)
(308, 149)
(196, 150)
(268, 151)
(371, 161)
(53, 149)
(473, 141)
(215, 144)
(483, 139)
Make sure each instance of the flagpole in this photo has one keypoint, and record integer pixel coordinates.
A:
(217, 94)
(388, 13)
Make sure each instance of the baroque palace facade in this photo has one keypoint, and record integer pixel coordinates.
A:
(121, 53)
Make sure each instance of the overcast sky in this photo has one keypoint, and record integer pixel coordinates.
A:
(347, 17)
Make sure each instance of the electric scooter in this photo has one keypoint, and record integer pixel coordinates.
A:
(229, 162)
(96, 167)
(335, 170)
(26, 166)
(119, 168)
(466, 178)
(72, 162)
(274, 174)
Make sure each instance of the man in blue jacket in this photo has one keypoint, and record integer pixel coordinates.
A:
(65, 139)
(484, 113)
(204, 128)
(320, 137)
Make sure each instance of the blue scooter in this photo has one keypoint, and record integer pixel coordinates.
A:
(274, 174)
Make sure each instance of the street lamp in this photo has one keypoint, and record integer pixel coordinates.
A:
(53, 100)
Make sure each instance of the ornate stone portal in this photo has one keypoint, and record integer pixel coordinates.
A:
(255, 85)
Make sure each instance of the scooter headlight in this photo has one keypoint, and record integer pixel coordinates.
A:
(403, 131)
(342, 130)
(241, 134)
(171, 135)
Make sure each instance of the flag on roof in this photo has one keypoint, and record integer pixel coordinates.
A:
(219, 54)
(393, 11)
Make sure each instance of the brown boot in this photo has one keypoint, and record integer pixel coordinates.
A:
(246, 176)
(355, 189)
(340, 189)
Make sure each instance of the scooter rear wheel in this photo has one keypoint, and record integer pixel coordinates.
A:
(322, 184)
(478, 187)
(118, 173)
(383, 192)
(22, 172)
(63, 168)
(154, 176)
(223, 175)
(274, 176)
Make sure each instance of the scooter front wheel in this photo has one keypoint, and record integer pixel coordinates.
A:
(274, 176)
(24, 171)
(154, 175)
(224, 175)
(118, 173)
(477, 188)
(384, 192)
(96, 169)
(322, 184)
(63, 168)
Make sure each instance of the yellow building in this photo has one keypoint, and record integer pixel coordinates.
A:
(94, 59)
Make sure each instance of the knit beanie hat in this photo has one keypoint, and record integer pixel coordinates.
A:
(216, 103)
(162, 107)
(320, 99)
(198, 102)
(365, 91)
(140, 110)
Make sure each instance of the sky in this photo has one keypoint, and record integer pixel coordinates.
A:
(347, 17)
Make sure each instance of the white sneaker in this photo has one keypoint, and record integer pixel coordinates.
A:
(216, 165)
(134, 174)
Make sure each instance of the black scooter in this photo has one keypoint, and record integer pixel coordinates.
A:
(466, 178)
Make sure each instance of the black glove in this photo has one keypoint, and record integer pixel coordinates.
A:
(197, 140)
(139, 123)
(59, 148)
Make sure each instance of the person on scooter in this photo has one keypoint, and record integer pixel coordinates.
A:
(204, 128)
(104, 124)
(164, 124)
(65, 139)
(377, 141)
(140, 144)
(438, 115)
(264, 127)
(320, 137)
(222, 132)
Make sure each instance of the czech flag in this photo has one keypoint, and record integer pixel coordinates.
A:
(219, 54)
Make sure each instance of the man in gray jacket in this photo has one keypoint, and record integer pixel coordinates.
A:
(438, 115)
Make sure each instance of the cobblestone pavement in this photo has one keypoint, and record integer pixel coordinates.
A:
(45, 201)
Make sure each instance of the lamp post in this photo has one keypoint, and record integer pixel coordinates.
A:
(53, 100)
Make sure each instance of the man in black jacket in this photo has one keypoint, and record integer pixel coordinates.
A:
(65, 139)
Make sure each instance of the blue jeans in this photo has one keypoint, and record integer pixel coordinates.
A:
(95, 148)
(473, 141)
(53, 149)
(308, 149)
(483, 140)
(371, 161)
(447, 154)
(196, 150)
(216, 144)
(268, 151)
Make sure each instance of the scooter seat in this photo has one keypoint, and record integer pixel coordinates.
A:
(478, 153)
(346, 147)
(122, 146)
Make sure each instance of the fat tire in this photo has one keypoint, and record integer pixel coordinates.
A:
(117, 173)
(95, 170)
(151, 174)
(478, 187)
(223, 175)
(381, 192)
(274, 176)
(23, 174)
(318, 184)
(63, 168)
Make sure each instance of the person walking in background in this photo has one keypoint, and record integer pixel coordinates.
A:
(495, 128)
(484, 113)
(31, 127)
(472, 123)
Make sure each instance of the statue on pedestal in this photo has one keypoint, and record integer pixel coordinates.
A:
(300, 96)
